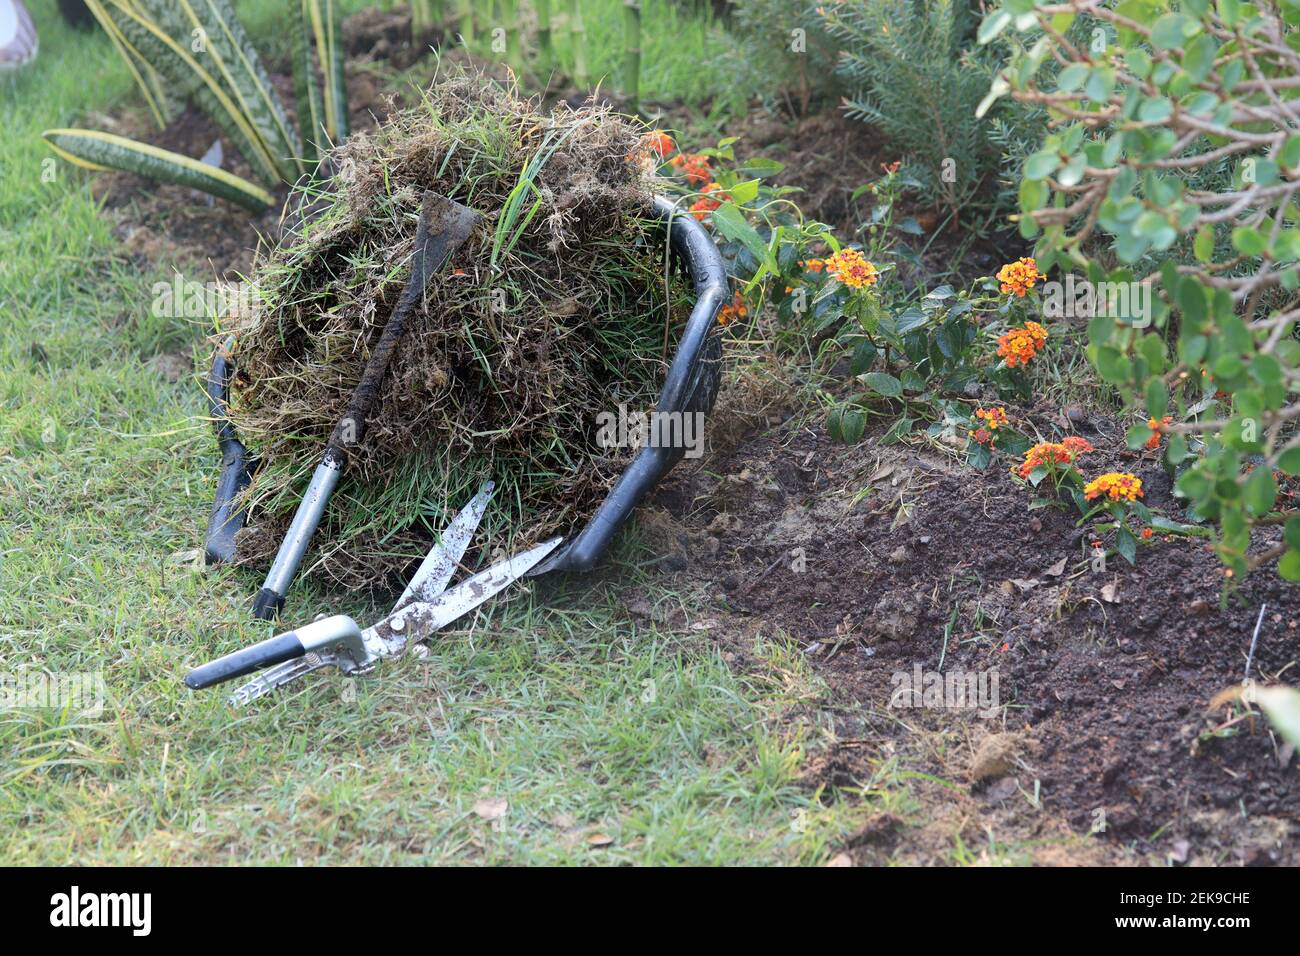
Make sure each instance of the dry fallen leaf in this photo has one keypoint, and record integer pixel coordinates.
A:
(492, 808)
(1110, 592)
(1284, 755)
(1057, 569)
(1180, 851)
(1026, 583)
(598, 840)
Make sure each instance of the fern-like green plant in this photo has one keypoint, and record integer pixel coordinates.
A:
(198, 51)
(910, 65)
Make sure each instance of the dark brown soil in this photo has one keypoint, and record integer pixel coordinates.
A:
(1105, 677)
(161, 222)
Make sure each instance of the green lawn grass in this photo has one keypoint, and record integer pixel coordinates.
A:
(582, 721)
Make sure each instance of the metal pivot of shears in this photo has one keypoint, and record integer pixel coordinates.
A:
(425, 606)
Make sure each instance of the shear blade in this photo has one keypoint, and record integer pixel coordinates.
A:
(422, 618)
(439, 565)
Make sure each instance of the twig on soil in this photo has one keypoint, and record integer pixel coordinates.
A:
(1250, 658)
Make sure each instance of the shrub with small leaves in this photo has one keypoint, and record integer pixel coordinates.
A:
(1173, 159)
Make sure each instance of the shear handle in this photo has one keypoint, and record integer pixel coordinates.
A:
(338, 630)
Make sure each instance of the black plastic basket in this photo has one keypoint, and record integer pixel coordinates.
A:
(690, 386)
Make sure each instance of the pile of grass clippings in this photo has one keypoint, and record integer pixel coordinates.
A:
(552, 312)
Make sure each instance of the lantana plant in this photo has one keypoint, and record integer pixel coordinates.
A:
(947, 344)
(1169, 163)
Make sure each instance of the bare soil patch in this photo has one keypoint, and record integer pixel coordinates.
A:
(1105, 678)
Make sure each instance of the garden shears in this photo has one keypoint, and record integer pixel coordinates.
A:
(424, 607)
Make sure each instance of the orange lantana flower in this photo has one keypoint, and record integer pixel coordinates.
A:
(1019, 277)
(1020, 345)
(735, 309)
(1157, 428)
(1052, 454)
(714, 197)
(849, 267)
(1077, 446)
(659, 142)
(1115, 485)
(695, 166)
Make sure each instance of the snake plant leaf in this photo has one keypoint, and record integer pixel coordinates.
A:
(311, 119)
(332, 66)
(146, 77)
(322, 103)
(238, 67)
(175, 62)
(92, 149)
(324, 15)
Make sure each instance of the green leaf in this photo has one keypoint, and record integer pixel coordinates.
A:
(1260, 492)
(993, 25)
(96, 150)
(153, 33)
(1157, 397)
(1198, 57)
(732, 224)
(311, 108)
(146, 76)
(1291, 152)
(1042, 164)
(233, 61)
(882, 383)
(1280, 703)
(1072, 77)
(744, 192)
(760, 167)
(1192, 349)
(1137, 436)
(1155, 109)
(1126, 545)
(1249, 241)
(1291, 532)
(846, 424)
(864, 356)
(1033, 194)
(1289, 566)
(1170, 30)
(1176, 450)
(1289, 461)
(1203, 245)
